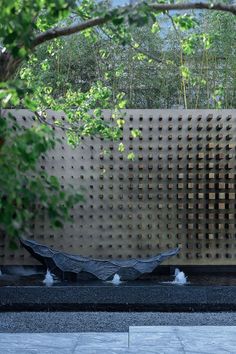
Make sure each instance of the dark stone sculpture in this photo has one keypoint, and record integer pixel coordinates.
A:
(64, 264)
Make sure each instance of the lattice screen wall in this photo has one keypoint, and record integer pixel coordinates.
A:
(180, 190)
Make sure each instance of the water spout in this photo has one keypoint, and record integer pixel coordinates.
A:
(48, 280)
(180, 277)
(116, 280)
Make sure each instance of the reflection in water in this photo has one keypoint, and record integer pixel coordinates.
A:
(22, 270)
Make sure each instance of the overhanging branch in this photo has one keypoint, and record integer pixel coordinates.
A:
(67, 31)
(99, 21)
(193, 6)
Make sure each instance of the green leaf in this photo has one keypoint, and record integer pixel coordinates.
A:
(54, 182)
(121, 147)
(131, 156)
(135, 133)
(185, 72)
(155, 27)
(185, 22)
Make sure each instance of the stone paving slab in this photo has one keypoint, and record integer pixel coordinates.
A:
(149, 351)
(102, 340)
(24, 343)
(198, 339)
(130, 351)
(37, 351)
(51, 343)
(139, 340)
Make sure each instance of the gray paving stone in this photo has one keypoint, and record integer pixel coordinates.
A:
(205, 330)
(20, 351)
(210, 346)
(158, 340)
(141, 340)
(133, 350)
(210, 339)
(102, 340)
(62, 343)
(152, 329)
(36, 351)
(160, 337)
(208, 352)
(205, 339)
(26, 341)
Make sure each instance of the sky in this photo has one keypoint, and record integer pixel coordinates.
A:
(121, 2)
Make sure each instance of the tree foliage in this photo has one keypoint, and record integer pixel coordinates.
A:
(25, 190)
(166, 64)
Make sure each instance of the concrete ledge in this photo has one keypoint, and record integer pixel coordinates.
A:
(136, 297)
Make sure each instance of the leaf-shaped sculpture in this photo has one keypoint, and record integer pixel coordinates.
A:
(104, 269)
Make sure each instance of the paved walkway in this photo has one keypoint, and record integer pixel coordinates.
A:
(139, 340)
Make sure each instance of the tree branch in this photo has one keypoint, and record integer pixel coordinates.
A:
(99, 21)
(193, 6)
(67, 31)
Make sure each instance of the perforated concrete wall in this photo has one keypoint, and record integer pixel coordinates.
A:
(180, 190)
